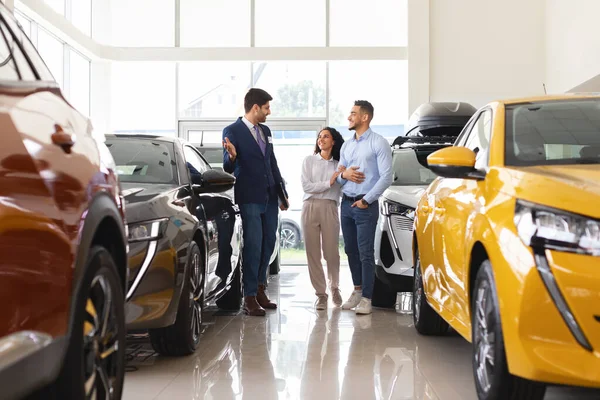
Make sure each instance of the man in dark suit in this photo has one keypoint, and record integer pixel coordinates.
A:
(248, 154)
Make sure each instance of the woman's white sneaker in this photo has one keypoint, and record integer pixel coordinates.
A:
(353, 300)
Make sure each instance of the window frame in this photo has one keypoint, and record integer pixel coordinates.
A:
(481, 114)
(197, 153)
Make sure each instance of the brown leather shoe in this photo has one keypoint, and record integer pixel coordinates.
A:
(263, 300)
(252, 308)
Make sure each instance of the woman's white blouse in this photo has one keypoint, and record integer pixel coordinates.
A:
(316, 175)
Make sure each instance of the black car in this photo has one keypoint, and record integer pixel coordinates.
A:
(185, 239)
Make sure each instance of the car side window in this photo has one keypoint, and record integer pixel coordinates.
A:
(13, 66)
(195, 160)
(29, 50)
(464, 134)
(479, 138)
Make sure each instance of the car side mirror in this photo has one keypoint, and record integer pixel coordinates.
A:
(212, 181)
(454, 162)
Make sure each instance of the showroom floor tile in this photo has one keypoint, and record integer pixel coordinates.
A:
(297, 352)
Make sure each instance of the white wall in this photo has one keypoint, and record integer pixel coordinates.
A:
(482, 50)
(572, 43)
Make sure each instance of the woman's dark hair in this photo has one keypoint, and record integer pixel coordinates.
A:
(338, 141)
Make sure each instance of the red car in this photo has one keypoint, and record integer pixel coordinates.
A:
(63, 261)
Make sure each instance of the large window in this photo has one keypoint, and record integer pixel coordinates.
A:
(79, 85)
(24, 22)
(286, 23)
(52, 51)
(143, 97)
(383, 83)
(375, 23)
(298, 88)
(137, 23)
(212, 89)
(202, 23)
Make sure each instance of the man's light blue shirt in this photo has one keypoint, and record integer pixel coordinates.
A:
(373, 155)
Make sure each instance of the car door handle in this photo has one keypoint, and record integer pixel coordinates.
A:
(63, 139)
(440, 210)
(425, 209)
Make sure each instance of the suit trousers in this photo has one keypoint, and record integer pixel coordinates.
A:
(321, 228)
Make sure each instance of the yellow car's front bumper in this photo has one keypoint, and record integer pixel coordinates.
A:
(550, 307)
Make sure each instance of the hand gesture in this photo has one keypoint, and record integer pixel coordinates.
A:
(353, 175)
(360, 205)
(227, 145)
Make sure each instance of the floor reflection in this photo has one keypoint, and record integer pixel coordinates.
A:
(299, 353)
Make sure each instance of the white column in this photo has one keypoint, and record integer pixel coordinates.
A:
(418, 53)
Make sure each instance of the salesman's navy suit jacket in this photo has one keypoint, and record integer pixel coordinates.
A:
(255, 174)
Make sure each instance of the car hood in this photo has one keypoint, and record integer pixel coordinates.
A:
(574, 188)
(147, 201)
(406, 195)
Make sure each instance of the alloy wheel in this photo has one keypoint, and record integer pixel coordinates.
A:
(485, 338)
(288, 239)
(100, 341)
(196, 292)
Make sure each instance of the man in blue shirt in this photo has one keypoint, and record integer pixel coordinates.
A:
(367, 157)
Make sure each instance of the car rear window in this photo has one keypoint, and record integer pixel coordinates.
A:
(410, 167)
(143, 160)
(553, 133)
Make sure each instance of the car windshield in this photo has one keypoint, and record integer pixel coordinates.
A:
(214, 155)
(553, 133)
(409, 167)
(143, 160)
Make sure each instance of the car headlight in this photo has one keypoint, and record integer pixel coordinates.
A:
(548, 228)
(387, 208)
(144, 231)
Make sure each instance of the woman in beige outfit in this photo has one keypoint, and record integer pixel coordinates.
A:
(320, 217)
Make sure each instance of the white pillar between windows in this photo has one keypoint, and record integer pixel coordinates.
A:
(418, 53)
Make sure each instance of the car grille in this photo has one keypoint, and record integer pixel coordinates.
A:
(402, 223)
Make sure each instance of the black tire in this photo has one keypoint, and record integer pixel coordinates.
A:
(289, 236)
(427, 321)
(101, 290)
(232, 300)
(383, 295)
(182, 338)
(274, 267)
(492, 379)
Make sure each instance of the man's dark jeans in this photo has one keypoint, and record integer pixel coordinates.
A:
(259, 222)
(358, 227)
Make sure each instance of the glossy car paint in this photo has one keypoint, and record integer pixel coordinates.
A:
(205, 218)
(58, 189)
(458, 218)
(44, 197)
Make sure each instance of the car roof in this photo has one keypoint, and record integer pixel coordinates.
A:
(169, 139)
(558, 97)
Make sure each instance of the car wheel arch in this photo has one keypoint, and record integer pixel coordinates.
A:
(102, 217)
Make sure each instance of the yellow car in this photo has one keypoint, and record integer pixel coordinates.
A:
(507, 245)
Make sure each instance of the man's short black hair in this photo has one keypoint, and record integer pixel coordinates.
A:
(256, 96)
(365, 107)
